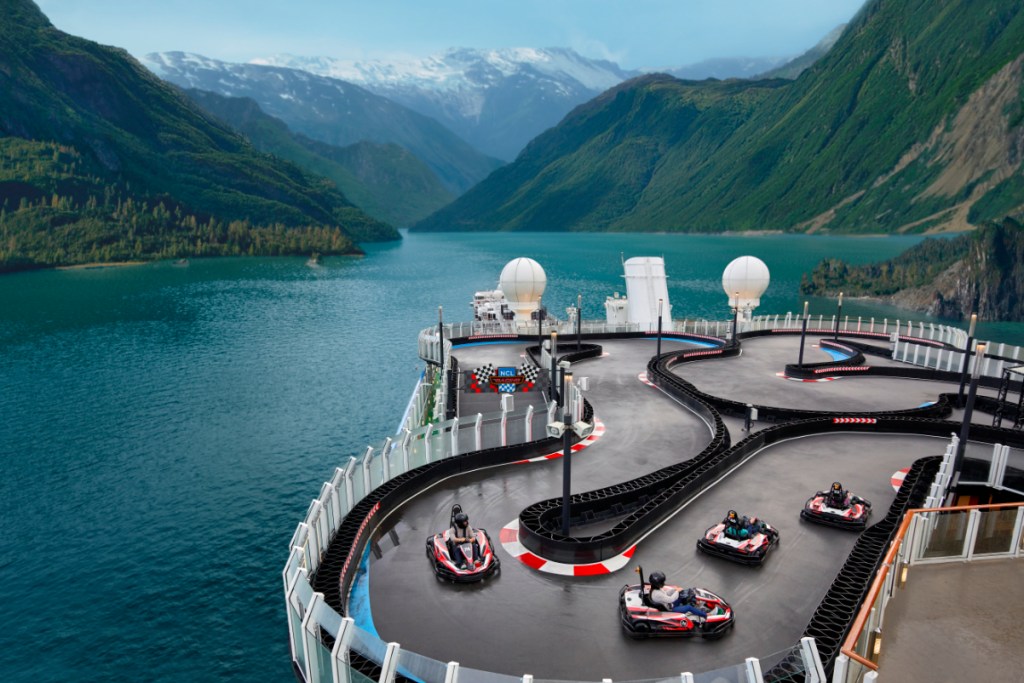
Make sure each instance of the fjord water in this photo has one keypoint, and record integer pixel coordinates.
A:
(164, 428)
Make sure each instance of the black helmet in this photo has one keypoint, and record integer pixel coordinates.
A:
(657, 580)
(836, 486)
(461, 520)
(733, 515)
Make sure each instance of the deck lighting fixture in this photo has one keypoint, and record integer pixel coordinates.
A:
(839, 312)
(965, 425)
(661, 303)
(579, 319)
(875, 645)
(803, 334)
(966, 361)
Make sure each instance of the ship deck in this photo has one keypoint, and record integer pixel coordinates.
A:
(555, 627)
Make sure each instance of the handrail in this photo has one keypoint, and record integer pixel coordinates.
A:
(857, 627)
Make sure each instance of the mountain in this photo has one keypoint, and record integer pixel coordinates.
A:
(797, 66)
(331, 111)
(497, 100)
(384, 180)
(981, 271)
(911, 122)
(726, 67)
(100, 160)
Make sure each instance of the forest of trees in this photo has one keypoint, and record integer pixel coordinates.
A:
(54, 210)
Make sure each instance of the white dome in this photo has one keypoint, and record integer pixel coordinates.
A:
(745, 279)
(523, 282)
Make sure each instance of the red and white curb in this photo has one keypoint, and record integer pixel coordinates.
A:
(898, 477)
(854, 420)
(510, 542)
(643, 378)
(797, 379)
(575, 448)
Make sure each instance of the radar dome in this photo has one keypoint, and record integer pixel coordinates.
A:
(745, 279)
(523, 281)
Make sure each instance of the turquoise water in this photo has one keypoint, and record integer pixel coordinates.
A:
(163, 429)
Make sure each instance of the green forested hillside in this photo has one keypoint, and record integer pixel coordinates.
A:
(981, 271)
(912, 121)
(92, 143)
(384, 180)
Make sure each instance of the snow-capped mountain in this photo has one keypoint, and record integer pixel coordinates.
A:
(332, 111)
(498, 100)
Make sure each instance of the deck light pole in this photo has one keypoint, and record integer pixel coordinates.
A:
(965, 426)
(554, 369)
(566, 447)
(803, 335)
(661, 302)
(440, 334)
(540, 331)
(579, 319)
(564, 430)
(839, 312)
(967, 360)
(735, 316)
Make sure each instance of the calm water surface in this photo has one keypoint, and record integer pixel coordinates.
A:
(163, 429)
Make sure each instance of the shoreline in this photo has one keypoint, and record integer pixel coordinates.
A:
(104, 264)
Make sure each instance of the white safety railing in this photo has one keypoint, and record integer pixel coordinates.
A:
(927, 536)
(910, 347)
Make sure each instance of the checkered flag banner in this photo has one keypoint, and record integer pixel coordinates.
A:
(529, 372)
(481, 378)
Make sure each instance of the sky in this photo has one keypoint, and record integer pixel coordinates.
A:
(636, 34)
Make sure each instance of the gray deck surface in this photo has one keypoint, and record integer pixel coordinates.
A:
(524, 621)
(947, 624)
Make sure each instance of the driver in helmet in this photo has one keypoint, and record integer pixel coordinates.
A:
(837, 497)
(461, 533)
(672, 600)
(735, 526)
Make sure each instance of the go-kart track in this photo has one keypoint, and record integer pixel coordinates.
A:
(522, 620)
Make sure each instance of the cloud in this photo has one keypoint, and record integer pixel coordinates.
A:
(595, 49)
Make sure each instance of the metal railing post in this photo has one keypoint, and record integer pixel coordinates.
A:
(390, 664)
(339, 653)
(752, 667)
(814, 672)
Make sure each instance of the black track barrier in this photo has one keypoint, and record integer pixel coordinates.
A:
(660, 372)
(643, 503)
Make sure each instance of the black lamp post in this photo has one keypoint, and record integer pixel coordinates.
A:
(966, 361)
(540, 331)
(839, 312)
(440, 334)
(566, 447)
(579, 319)
(735, 315)
(660, 304)
(803, 335)
(965, 426)
(555, 394)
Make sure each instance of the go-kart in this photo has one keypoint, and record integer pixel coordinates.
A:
(751, 549)
(643, 619)
(852, 514)
(468, 564)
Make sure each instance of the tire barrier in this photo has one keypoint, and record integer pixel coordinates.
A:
(575, 355)
(659, 372)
